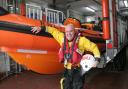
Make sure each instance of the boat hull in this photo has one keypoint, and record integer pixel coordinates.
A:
(37, 53)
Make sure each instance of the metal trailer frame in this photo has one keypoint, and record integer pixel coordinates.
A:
(8, 66)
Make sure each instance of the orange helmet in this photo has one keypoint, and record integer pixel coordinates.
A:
(73, 21)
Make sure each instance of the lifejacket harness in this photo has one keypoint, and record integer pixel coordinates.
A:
(70, 54)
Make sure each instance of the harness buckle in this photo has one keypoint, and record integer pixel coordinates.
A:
(67, 56)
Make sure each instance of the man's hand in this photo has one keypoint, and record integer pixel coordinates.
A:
(36, 29)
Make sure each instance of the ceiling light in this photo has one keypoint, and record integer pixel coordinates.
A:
(89, 9)
(126, 3)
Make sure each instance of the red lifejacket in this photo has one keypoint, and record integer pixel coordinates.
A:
(71, 54)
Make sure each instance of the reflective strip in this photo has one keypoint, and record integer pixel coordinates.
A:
(79, 51)
(61, 82)
(32, 51)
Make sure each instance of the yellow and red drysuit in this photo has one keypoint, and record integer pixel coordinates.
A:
(72, 78)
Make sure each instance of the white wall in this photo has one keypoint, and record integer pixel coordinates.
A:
(75, 14)
(43, 4)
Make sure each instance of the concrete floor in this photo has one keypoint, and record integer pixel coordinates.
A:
(31, 80)
(109, 80)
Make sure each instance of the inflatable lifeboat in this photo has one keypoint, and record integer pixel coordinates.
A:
(37, 52)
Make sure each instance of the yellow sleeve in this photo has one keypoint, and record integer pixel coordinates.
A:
(89, 46)
(59, 36)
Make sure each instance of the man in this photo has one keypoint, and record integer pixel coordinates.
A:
(73, 46)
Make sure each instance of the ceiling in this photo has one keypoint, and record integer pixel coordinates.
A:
(81, 5)
(77, 5)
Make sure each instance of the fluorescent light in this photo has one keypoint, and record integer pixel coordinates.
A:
(126, 3)
(90, 9)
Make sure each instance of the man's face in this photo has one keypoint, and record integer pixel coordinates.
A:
(70, 32)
